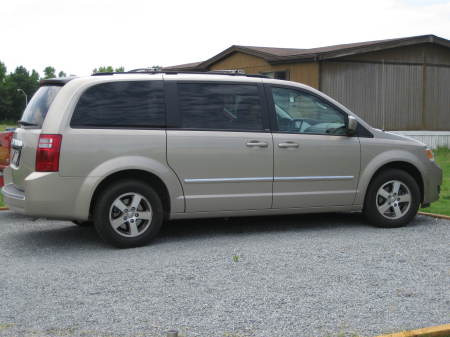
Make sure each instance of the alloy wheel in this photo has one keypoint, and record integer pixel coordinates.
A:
(130, 214)
(393, 199)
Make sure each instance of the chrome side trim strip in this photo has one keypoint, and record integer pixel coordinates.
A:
(312, 194)
(253, 179)
(228, 196)
(226, 180)
(312, 178)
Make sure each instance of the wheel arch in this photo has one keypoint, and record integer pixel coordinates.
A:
(406, 166)
(136, 174)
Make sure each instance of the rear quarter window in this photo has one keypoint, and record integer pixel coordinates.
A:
(39, 105)
(136, 104)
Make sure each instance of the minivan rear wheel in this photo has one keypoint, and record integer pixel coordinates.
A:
(128, 213)
(392, 199)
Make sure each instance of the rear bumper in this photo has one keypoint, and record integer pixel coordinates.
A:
(46, 194)
(14, 198)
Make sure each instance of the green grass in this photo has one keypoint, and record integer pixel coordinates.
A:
(7, 124)
(442, 206)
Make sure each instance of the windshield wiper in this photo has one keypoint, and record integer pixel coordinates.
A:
(25, 123)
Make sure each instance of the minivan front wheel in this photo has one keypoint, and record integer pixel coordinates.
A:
(128, 213)
(392, 199)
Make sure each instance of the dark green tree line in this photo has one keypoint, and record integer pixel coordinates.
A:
(12, 100)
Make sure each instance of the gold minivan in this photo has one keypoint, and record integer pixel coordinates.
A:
(126, 151)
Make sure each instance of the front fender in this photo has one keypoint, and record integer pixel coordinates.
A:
(371, 163)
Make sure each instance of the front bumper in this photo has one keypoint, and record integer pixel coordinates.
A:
(432, 184)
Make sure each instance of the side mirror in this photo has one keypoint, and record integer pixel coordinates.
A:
(351, 125)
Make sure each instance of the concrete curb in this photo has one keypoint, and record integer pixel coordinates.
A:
(439, 216)
(434, 331)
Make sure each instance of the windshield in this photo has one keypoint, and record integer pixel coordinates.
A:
(37, 109)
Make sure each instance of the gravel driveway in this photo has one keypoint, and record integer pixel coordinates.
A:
(316, 275)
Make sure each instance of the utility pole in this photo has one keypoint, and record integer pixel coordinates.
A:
(26, 97)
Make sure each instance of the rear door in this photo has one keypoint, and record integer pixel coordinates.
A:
(220, 145)
(315, 163)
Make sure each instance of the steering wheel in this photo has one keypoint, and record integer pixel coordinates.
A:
(296, 124)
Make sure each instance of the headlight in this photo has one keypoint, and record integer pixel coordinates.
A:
(429, 154)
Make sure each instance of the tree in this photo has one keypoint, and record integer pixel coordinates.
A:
(12, 101)
(62, 74)
(49, 72)
(2, 72)
(108, 69)
(4, 98)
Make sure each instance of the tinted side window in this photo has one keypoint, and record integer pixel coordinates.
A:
(121, 104)
(218, 106)
(300, 112)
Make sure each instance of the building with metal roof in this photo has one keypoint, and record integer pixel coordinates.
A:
(395, 84)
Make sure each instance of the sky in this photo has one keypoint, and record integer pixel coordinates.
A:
(77, 36)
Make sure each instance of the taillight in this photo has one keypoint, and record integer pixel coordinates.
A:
(47, 153)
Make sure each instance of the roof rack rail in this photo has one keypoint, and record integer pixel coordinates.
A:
(174, 72)
(145, 70)
(217, 72)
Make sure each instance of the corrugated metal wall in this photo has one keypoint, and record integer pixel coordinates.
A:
(391, 96)
(437, 98)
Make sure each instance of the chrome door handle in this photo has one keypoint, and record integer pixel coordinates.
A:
(287, 145)
(256, 143)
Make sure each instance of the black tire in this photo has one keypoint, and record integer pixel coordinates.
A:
(83, 223)
(371, 211)
(102, 213)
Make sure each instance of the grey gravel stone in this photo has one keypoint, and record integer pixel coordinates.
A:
(314, 275)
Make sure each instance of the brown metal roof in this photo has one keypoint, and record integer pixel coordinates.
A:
(185, 66)
(288, 55)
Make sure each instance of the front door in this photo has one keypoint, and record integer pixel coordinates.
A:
(315, 162)
(222, 149)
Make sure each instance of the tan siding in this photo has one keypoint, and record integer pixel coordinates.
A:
(307, 73)
(243, 61)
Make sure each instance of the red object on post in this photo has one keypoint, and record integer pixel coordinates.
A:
(47, 153)
(5, 149)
